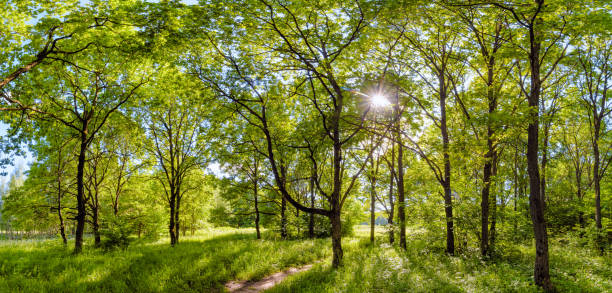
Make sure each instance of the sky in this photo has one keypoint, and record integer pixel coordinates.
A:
(17, 161)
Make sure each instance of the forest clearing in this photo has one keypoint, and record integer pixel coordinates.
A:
(211, 258)
(305, 146)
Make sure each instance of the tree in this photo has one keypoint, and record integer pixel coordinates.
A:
(436, 66)
(594, 81)
(316, 61)
(530, 19)
(175, 129)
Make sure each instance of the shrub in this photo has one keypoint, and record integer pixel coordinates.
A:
(116, 234)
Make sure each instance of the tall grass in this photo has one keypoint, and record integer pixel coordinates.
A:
(201, 263)
(204, 262)
(425, 268)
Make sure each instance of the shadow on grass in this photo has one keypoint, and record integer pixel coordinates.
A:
(192, 265)
(423, 268)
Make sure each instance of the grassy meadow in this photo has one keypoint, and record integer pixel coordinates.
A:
(206, 261)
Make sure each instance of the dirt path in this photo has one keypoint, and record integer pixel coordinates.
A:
(265, 283)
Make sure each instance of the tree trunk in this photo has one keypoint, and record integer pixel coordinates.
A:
(177, 220)
(372, 203)
(81, 210)
(391, 202)
(312, 204)
(536, 204)
(401, 208)
(62, 229)
(448, 199)
(493, 208)
(96, 225)
(544, 163)
(283, 218)
(597, 187)
(171, 226)
(256, 210)
(484, 204)
(336, 233)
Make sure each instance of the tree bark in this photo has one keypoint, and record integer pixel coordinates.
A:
(536, 202)
(283, 218)
(177, 219)
(96, 226)
(62, 229)
(401, 208)
(81, 210)
(372, 201)
(597, 187)
(336, 231)
(391, 202)
(171, 226)
(493, 208)
(489, 157)
(255, 190)
(312, 205)
(446, 185)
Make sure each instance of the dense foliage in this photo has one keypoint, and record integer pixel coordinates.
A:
(485, 123)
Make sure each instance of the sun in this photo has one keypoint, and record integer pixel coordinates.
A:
(379, 100)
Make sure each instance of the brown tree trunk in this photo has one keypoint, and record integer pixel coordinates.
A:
(312, 204)
(448, 199)
(95, 225)
(372, 202)
(488, 166)
(283, 218)
(81, 209)
(493, 208)
(401, 207)
(536, 202)
(597, 187)
(484, 205)
(172, 226)
(391, 202)
(336, 233)
(62, 229)
(177, 219)
(255, 190)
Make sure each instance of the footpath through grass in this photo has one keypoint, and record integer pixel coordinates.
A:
(202, 263)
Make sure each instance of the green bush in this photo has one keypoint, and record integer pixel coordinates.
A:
(116, 234)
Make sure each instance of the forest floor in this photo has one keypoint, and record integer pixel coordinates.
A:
(207, 261)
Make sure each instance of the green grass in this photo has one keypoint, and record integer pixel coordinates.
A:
(200, 263)
(203, 263)
(382, 268)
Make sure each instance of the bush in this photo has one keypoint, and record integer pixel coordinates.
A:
(116, 234)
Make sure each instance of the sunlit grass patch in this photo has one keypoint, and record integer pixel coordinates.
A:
(202, 262)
